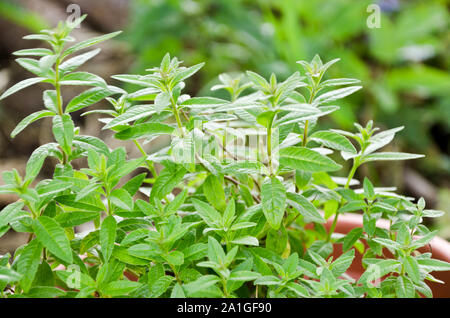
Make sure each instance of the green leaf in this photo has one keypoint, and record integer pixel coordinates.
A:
(273, 195)
(215, 251)
(87, 98)
(206, 212)
(404, 287)
(246, 240)
(134, 113)
(33, 66)
(412, 268)
(33, 52)
(75, 62)
(132, 186)
(120, 287)
(83, 78)
(162, 100)
(90, 142)
(166, 181)
(378, 270)
(390, 156)
(301, 158)
(45, 292)
(108, 236)
(277, 240)
(202, 286)
(175, 258)
(298, 289)
(122, 199)
(8, 275)
(342, 263)
(87, 43)
(21, 85)
(213, 189)
(50, 100)
(177, 292)
(53, 237)
(187, 72)
(160, 286)
(304, 207)
(28, 264)
(144, 130)
(63, 130)
(10, 213)
(71, 219)
(258, 80)
(368, 189)
(433, 265)
(268, 281)
(351, 238)
(243, 276)
(336, 94)
(333, 140)
(30, 119)
(203, 102)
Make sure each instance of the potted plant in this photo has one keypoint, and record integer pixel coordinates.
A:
(235, 210)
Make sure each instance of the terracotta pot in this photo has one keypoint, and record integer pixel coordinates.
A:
(439, 248)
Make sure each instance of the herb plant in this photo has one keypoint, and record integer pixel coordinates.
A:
(240, 204)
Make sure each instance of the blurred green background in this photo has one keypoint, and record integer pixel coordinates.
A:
(403, 65)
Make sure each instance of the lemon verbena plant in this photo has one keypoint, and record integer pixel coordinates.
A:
(242, 201)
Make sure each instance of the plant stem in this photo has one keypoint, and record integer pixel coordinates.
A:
(347, 185)
(269, 147)
(177, 115)
(305, 134)
(58, 88)
(149, 164)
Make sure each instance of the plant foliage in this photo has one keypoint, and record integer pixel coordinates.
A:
(224, 216)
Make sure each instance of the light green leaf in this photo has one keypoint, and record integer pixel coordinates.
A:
(28, 263)
(431, 265)
(351, 238)
(390, 156)
(206, 212)
(108, 236)
(304, 207)
(273, 195)
(87, 98)
(336, 94)
(53, 237)
(75, 62)
(412, 268)
(30, 119)
(63, 130)
(301, 158)
(243, 276)
(144, 130)
(134, 113)
(120, 287)
(87, 43)
(213, 189)
(71, 219)
(122, 199)
(10, 212)
(333, 140)
(166, 181)
(404, 287)
(246, 240)
(33, 52)
(21, 85)
(162, 100)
